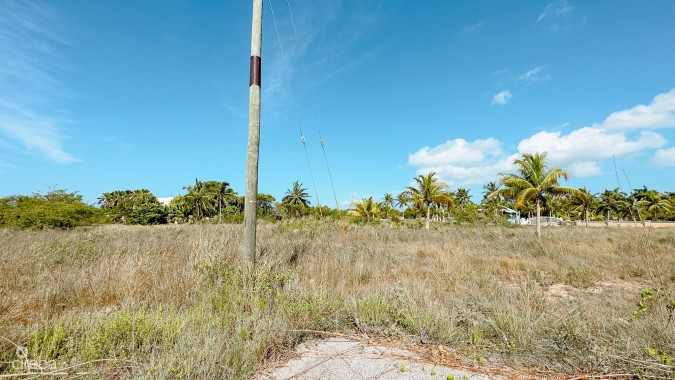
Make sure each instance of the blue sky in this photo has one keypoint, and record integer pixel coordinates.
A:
(107, 95)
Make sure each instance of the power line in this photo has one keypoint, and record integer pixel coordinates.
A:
(316, 119)
(302, 136)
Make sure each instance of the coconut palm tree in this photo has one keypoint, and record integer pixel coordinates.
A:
(366, 208)
(533, 182)
(611, 201)
(654, 203)
(200, 198)
(388, 203)
(221, 194)
(489, 188)
(402, 201)
(583, 202)
(296, 195)
(462, 196)
(428, 191)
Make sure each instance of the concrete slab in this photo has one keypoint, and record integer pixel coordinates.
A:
(339, 358)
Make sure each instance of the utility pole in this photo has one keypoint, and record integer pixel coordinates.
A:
(253, 153)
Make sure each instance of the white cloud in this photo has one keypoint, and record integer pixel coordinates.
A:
(664, 158)
(588, 143)
(460, 163)
(457, 175)
(458, 152)
(581, 151)
(660, 113)
(585, 169)
(502, 98)
(534, 75)
(557, 9)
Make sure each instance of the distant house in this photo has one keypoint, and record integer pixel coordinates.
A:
(165, 200)
(514, 216)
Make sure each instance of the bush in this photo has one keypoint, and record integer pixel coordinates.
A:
(56, 209)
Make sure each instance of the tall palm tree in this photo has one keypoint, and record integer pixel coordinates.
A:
(296, 195)
(200, 197)
(462, 196)
(489, 188)
(388, 203)
(654, 203)
(402, 201)
(583, 202)
(366, 208)
(533, 182)
(428, 191)
(221, 194)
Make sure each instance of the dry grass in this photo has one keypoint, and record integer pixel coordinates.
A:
(175, 302)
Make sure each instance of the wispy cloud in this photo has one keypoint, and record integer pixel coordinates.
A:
(326, 37)
(559, 16)
(472, 28)
(502, 98)
(582, 151)
(534, 75)
(30, 44)
(36, 132)
(349, 65)
(556, 10)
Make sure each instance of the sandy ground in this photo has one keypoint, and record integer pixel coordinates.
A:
(648, 224)
(343, 358)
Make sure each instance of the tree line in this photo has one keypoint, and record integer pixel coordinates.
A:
(533, 190)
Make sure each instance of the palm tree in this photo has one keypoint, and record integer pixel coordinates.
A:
(653, 202)
(221, 193)
(489, 188)
(611, 201)
(462, 196)
(366, 208)
(583, 201)
(533, 182)
(402, 201)
(200, 198)
(429, 191)
(296, 196)
(388, 203)
(107, 200)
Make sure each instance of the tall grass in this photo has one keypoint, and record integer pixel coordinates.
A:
(176, 302)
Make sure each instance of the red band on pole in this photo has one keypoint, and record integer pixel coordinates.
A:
(255, 71)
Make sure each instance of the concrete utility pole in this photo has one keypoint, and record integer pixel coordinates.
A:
(253, 154)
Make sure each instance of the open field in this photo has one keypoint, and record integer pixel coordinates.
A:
(175, 302)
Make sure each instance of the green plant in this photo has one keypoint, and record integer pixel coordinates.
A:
(653, 301)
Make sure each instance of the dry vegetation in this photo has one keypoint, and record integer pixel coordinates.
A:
(175, 302)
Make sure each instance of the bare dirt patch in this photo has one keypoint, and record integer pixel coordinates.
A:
(564, 291)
